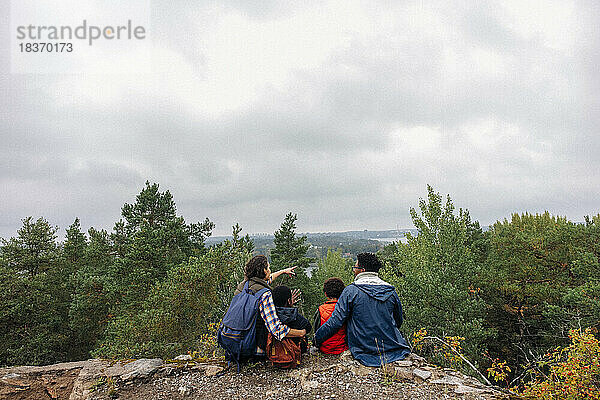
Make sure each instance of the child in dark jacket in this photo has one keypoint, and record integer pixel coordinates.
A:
(288, 314)
(333, 288)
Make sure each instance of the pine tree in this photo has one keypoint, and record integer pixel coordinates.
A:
(34, 250)
(184, 307)
(149, 243)
(438, 275)
(150, 240)
(290, 250)
(34, 297)
(75, 243)
(543, 279)
(91, 300)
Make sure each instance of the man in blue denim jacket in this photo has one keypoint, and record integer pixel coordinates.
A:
(373, 313)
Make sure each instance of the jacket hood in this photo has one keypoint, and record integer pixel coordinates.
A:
(287, 314)
(374, 286)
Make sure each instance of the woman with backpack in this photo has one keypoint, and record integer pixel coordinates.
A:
(241, 328)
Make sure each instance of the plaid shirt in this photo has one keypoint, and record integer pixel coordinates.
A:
(269, 315)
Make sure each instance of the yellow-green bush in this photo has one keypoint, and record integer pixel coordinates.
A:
(573, 372)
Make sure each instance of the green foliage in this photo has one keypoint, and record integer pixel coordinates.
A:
(34, 297)
(437, 275)
(150, 287)
(91, 300)
(150, 242)
(290, 250)
(581, 301)
(389, 256)
(571, 373)
(156, 240)
(333, 265)
(75, 243)
(58, 302)
(542, 280)
(179, 309)
(34, 250)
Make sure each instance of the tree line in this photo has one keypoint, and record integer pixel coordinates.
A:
(152, 287)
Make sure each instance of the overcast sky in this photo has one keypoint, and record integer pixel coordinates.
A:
(339, 111)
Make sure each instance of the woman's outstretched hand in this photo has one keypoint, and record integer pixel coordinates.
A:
(289, 271)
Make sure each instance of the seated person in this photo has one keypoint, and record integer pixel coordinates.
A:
(372, 311)
(288, 314)
(258, 275)
(336, 344)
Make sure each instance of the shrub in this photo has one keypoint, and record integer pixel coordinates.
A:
(573, 372)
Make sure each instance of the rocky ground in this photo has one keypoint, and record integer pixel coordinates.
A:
(319, 377)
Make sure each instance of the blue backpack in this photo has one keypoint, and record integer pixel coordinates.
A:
(237, 333)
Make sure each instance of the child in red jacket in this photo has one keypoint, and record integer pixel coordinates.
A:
(336, 344)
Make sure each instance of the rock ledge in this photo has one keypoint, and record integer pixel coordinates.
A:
(320, 377)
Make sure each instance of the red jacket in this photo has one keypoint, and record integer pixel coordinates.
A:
(337, 343)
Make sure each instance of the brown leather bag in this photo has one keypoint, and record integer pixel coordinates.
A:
(283, 353)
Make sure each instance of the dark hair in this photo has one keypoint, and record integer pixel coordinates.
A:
(281, 295)
(369, 262)
(333, 288)
(256, 267)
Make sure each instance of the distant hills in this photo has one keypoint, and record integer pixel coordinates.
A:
(386, 235)
(349, 243)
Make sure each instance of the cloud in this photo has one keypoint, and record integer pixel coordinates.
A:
(340, 111)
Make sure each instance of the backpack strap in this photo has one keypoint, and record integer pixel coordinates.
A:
(259, 294)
